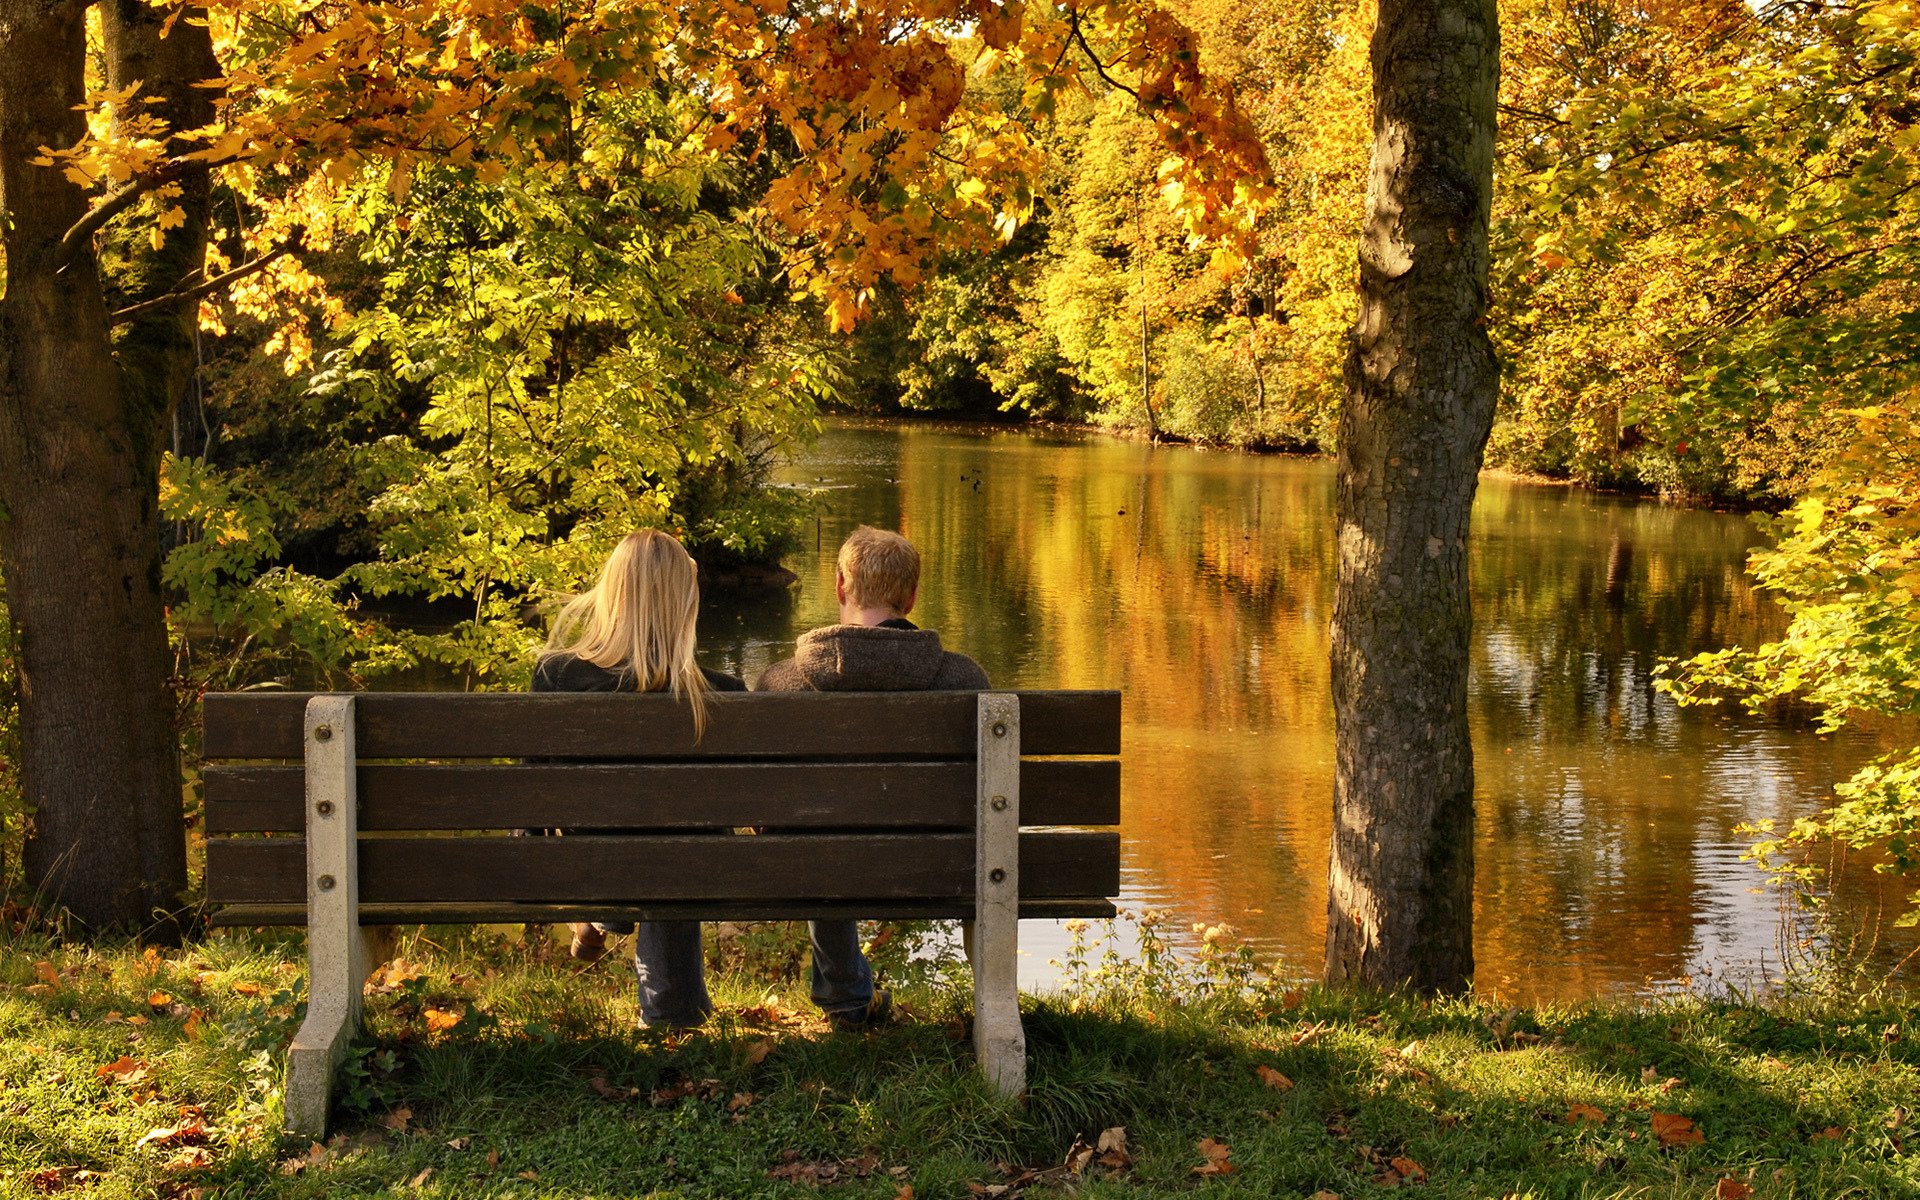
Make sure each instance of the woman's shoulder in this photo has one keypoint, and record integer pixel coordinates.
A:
(721, 682)
(565, 673)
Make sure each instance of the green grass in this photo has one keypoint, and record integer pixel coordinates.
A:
(504, 1070)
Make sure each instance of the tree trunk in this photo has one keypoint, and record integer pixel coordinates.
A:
(1421, 383)
(79, 456)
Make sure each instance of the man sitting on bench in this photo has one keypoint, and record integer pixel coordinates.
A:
(874, 648)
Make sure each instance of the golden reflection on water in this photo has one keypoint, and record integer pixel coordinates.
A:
(1200, 584)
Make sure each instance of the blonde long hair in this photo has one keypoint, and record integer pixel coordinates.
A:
(638, 618)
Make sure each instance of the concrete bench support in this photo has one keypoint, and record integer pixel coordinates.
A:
(998, 1039)
(340, 954)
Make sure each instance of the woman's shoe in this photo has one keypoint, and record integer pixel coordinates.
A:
(589, 944)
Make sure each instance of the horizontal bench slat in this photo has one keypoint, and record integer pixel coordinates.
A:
(775, 867)
(267, 725)
(1092, 907)
(257, 799)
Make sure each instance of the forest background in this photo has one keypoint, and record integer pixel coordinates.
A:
(450, 387)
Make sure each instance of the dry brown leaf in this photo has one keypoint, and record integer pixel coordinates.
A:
(457, 1143)
(187, 1133)
(189, 1159)
(123, 1070)
(607, 1091)
(158, 999)
(1831, 1133)
(420, 1180)
(758, 1052)
(1585, 1112)
(48, 973)
(1273, 1078)
(1649, 1075)
(741, 1100)
(1111, 1152)
(1326, 1195)
(195, 1026)
(493, 1159)
(1216, 1154)
(905, 1192)
(529, 1174)
(247, 987)
(39, 991)
(137, 1019)
(1732, 1189)
(439, 1020)
(1293, 999)
(1407, 1169)
(112, 1018)
(398, 1119)
(1675, 1130)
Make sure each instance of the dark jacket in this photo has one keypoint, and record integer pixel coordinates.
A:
(895, 657)
(565, 673)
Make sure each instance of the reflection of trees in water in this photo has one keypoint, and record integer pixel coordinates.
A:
(1200, 584)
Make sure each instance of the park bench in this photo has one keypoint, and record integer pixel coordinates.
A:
(351, 813)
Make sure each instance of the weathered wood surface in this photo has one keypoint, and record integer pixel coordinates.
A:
(898, 725)
(509, 913)
(268, 799)
(796, 867)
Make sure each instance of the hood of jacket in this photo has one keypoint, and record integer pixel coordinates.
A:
(868, 658)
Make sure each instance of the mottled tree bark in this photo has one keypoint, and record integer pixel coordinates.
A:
(1421, 384)
(81, 418)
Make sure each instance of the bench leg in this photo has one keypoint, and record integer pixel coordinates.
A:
(340, 954)
(994, 935)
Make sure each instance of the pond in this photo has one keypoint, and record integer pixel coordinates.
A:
(1200, 583)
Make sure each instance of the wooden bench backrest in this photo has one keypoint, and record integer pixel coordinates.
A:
(868, 799)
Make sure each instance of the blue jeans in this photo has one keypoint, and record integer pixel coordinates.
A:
(671, 967)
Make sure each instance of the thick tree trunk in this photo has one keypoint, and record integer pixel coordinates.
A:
(1421, 384)
(79, 454)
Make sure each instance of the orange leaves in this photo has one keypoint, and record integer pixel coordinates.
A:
(125, 1069)
(440, 1020)
(1402, 1169)
(1732, 1189)
(1585, 1113)
(1215, 1156)
(1273, 1078)
(190, 1132)
(1675, 1130)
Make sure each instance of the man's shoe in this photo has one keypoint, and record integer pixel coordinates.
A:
(878, 1012)
(589, 944)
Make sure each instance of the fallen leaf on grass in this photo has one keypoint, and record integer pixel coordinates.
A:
(705, 1089)
(493, 1159)
(758, 1052)
(420, 1180)
(1273, 1078)
(190, 1159)
(195, 1026)
(398, 1119)
(48, 973)
(186, 1133)
(247, 987)
(1585, 1112)
(159, 999)
(529, 1174)
(1326, 1195)
(1216, 1154)
(741, 1100)
(137, 1019)
(1832, 1133)
(1293, 999)
(1731, 1189)
(123, 1070)
(1673, 1130)
(1406, 1170)
(1112, 1152)
(38, 991)
(607, 1091)
(439, 1020)
(905, 1192)
(457, 1144)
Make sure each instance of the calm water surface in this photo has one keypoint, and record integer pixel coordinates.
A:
(1201, 583)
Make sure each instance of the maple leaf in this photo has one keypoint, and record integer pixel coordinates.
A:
(1732, 1189)
(439, 1020)
(1216, 1154)
(1273, 1078)
(398, 1119)
(159, 999)
(1675, 1130)
(123, 1070)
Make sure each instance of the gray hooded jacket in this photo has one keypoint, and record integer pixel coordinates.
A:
(870, 658)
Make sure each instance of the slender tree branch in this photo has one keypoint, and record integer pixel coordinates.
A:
(1099, 68)
(111, 206)
(122, 316)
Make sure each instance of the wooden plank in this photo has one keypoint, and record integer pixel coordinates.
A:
(773, 867)
(505, 913)
(266, 725)
(264, 799)
(999, 1042)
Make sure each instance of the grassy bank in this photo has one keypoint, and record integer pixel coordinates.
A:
(496, 1067)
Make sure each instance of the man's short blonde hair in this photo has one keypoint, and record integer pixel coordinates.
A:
(880, 569)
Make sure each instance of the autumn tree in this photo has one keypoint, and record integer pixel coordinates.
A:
(1421, 386)
(104, 186)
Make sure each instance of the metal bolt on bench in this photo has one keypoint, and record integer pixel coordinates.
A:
(895, 805)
